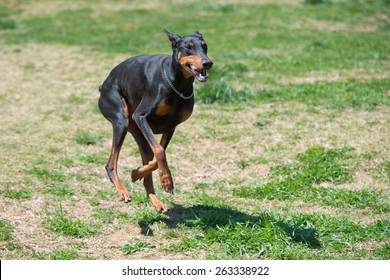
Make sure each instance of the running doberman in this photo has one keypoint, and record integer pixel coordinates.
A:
(152, 94)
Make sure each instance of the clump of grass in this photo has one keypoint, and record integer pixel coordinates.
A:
(23, 193)
(68, 254)
(88, 138)
(6, 21)
(315, 166)
(219, 88)
(94, 201)
(140, 199)
(382, 252)
(60, 191)
(45, 174)
(92, 158)
(58, 223)
(104, 214)
(6, 230)
(135, 247)
(106, 194)
(316, 2)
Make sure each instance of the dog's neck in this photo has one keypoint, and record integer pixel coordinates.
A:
(176, 76)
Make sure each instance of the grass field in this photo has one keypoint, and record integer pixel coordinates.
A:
(286, 156)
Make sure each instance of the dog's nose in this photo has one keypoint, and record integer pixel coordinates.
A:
(207, 64)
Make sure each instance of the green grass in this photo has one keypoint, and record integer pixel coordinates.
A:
(266, 235)
(6, 230)
(295, 50)
(59, 223)
(6, 19)
(382, 252)
(23, 193)
(135, 247)
(69, 254)
(45, 174)
(317, 165)
(105, 215)
(60, 191)
(88, 138)
(367, 95)
(92, 158)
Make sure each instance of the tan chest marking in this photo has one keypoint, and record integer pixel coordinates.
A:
(163, 109)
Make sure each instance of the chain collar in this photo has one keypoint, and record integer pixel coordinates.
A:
(174, 89)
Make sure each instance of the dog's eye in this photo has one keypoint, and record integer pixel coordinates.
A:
(190, 46)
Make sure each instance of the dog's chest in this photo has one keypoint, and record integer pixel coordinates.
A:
(168, 115)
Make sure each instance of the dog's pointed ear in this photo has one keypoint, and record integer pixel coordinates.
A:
(198, 34)
(173, 38)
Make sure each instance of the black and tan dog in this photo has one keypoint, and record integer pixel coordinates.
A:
(152, 94)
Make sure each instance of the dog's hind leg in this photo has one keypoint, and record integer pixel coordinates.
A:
(115, 109)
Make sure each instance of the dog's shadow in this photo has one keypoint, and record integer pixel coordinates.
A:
(210, 217)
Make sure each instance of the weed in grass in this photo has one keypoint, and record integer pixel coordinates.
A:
(244, 163)
(369, 155)
(23, 193)
(384, 167)
(145, 219)
(45, 174)
(94, 202)
(88, 138)
(92, 158)
(66, 161)
(60, 191)
(68, 254)
(6, 230)
(135, 247)
(315, 166)
(316, 2)
(57, 222)
(6, 20)
(105, 194)
(104, 214)
(201, 186)
(140, 199)
(220, 91)
(382, 252)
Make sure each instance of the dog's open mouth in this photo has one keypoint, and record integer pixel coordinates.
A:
(200, 75)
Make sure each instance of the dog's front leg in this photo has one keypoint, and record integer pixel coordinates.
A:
(158, 151)
(143, 171)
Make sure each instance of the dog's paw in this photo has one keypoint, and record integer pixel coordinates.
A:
(167, 183)
(124, 195)
(162, 209)
(135, 175)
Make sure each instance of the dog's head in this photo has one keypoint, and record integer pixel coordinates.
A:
(191, 52)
